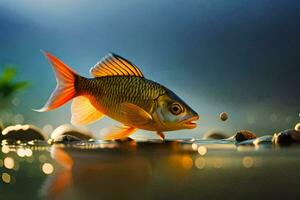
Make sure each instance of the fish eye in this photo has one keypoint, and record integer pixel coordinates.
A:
(176, 108)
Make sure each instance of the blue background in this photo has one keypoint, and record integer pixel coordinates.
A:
(238, 56)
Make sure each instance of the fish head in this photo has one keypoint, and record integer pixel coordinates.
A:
(172, 113)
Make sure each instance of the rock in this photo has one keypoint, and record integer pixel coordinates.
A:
(297, 127)
(214, 135)
(244, 135)
(24, 133)
(287, 137)
(223, 116)
(266, 139)
(67, 133)
(262, 141)
(66, 139)
(126, 139)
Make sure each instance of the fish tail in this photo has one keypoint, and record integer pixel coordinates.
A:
(65, 89)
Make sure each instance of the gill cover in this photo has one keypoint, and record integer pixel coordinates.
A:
(172, 119)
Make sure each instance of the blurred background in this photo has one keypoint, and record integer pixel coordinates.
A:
(241, 57)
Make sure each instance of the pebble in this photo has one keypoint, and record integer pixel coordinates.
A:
(68, 133)
(287, 137)
(297, 127)
(263, 141)
(223, 116)
(243, 135)
(23, 133)
(65, 139)
(266, 139)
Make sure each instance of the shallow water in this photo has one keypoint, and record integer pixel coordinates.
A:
(178, 169)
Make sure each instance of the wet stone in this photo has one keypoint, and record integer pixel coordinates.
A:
(297, 127)
(263, 141)
(67, 133)
(266, 139)
(214, 135)
(126, 139)
(66, 139)
(244, 135)
(23, 133)
(287, 137)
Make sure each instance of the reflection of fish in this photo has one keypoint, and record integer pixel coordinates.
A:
(93, 172)
(120, 91)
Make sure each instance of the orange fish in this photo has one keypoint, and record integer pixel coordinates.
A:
(120, 91)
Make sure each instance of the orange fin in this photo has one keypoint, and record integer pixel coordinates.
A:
(83, 112)
(115, 65)
(62, 157)
(135, 114)
(55, 186)
(114, 133)
(65, 90)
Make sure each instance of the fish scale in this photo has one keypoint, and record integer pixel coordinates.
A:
(111, 91)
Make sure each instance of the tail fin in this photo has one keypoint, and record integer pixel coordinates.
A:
(65, 89)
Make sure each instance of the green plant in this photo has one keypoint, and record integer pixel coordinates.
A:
(9, 87)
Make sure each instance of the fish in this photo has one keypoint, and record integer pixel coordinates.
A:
(120, 91)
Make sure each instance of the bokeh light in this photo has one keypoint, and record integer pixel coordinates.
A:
(28, 152)
(21, 152)
(248, 162)
(187, 162)
(200, 163)
(9, 163)
(47, 168)
(202, 150)
(6, 178)
(194, 146)
(5, 149)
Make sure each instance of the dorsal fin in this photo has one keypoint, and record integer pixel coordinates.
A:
(115, 65)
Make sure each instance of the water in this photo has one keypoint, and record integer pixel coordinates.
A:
(183, 169)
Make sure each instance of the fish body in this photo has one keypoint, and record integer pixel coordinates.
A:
(119, 90)
(108, 93)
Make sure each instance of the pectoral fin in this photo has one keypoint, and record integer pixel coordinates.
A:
(135, 114)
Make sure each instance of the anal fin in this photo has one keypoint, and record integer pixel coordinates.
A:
(115, 133)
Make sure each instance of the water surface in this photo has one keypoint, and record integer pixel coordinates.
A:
(179, 169)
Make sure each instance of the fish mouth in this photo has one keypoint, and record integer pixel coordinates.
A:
(190, 123)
